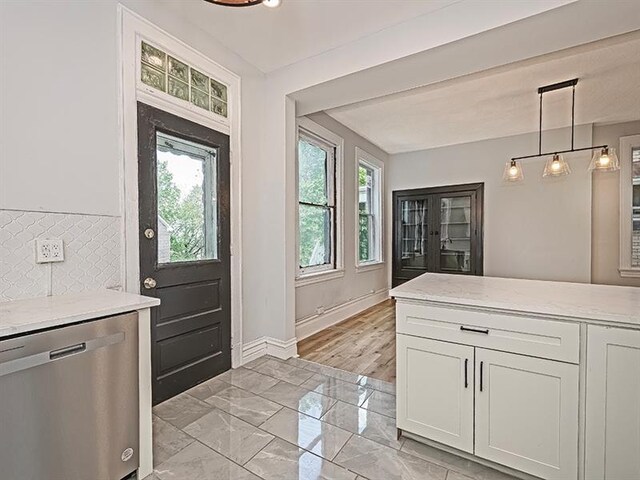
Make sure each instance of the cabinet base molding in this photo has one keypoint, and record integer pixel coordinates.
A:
(468, 456)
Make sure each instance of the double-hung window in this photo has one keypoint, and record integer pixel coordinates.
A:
(318, 201)
(630, 206)
(369, 176)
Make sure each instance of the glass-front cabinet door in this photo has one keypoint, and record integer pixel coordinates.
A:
(454, 255)
(414, 230)
(437, 230)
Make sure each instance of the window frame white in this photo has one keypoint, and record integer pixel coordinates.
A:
(627, 145)
(375, 164)
(308, 275)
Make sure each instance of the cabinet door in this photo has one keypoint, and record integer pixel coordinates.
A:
(613, 404)
(413, 226)
(527, 414)
(456, 248)
(435, 390)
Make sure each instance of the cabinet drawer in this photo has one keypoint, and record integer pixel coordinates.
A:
(529, 336)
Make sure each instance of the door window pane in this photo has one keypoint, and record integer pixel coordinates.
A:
(187, 227)
(455, 234)
(635, 242)
(415, 232)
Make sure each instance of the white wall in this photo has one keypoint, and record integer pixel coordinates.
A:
(538, 229)
(59, 131)
(319, 297)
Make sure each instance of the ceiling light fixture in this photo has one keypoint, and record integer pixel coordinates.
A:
(513, 172)
(604, 158)
(245, 3)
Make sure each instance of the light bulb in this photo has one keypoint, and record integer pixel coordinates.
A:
(604, 159)
(555, 165)
(513, 171)
(271, 3)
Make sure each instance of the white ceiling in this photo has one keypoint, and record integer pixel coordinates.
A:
(504, 101)
(271, 38)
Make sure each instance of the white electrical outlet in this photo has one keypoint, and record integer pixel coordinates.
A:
(49, 250)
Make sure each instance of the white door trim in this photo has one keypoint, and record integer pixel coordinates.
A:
(132, 27)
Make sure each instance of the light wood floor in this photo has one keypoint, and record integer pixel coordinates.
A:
(364, 343)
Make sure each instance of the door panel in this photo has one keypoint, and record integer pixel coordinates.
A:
(527, 414)
(613, 400)
(436, 379)
(183, 180)
(456, 228)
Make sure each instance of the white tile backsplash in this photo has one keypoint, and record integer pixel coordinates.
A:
(92, 253)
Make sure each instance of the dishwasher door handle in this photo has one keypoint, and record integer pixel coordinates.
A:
(36, 359)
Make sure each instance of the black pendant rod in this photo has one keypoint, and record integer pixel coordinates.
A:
(540, 128)
(550, 88)
(571, 150)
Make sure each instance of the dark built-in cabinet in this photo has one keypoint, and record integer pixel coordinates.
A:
(437, 230)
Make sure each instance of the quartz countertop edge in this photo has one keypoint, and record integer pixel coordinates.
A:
(28, 315)
(564, 300)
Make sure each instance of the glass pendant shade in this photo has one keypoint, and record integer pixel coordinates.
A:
(556, 166)
(513, 172)
(605, 160)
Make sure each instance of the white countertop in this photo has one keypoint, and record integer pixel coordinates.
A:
(580, 301)
(21, 316)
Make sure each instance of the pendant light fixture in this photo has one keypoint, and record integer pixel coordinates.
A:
(513, 172)
(245, 3)
(556, 166)
(604, 158)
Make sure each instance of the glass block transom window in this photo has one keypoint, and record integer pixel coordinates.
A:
(168, 74)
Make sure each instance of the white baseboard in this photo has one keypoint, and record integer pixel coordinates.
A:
(269, 346)
(307, 326)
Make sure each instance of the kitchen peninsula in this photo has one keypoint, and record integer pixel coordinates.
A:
(539, 377)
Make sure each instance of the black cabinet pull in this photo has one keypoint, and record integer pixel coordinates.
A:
(474, 330)
(481, 365)
(466, 377)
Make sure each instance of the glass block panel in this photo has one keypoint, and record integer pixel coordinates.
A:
(178, 69)
(153, 56)
(154, 78)
(178, 89)
(218, 107)
(199, 98)
(200, 81)
(218, 90)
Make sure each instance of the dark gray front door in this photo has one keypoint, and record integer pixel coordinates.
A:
(183, 181)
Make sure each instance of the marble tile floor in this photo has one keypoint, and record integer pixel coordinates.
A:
(294, 420)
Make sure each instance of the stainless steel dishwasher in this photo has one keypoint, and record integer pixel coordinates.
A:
(69, 402)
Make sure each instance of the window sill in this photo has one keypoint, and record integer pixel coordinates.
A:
(312, 278)
(367, 267)
(630, 272)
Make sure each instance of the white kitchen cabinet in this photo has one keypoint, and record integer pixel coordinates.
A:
(526, 413)
(613, 404)
(436, 379)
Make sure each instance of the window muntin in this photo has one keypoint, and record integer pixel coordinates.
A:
(635, 213)
(161, 71)
(316, 204)
(369, 191)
